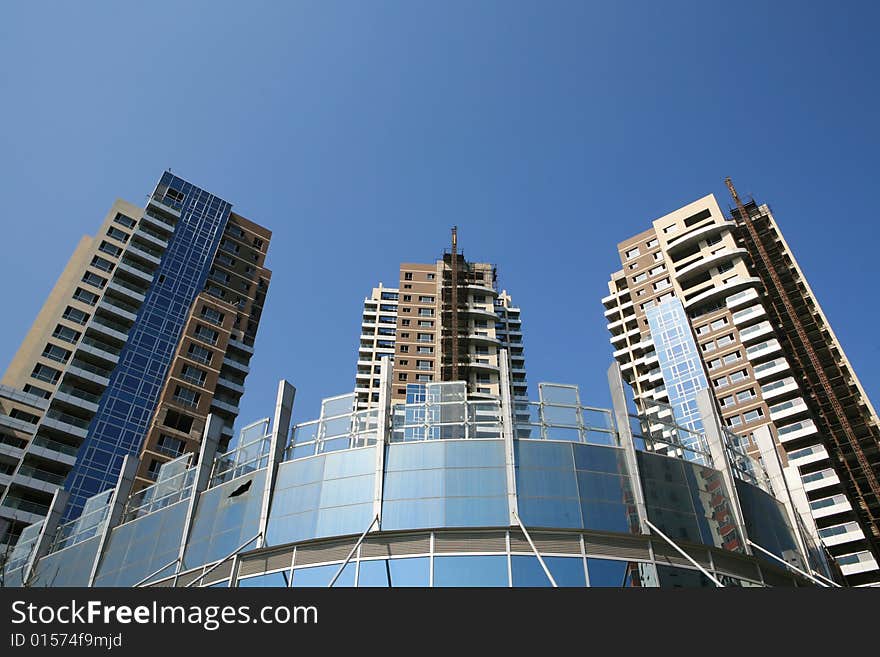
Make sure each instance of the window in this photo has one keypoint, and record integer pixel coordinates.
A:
(404, 322)
(21, 415)
(404, 336)
(212, 315)
(407, 297)
(66, 334)
(725, 266)
(739, 376)
(670, 229)
(728, 401)
(652, 243)
(45, 373)
(634, 265)
(407, 276)
(424, 365)
(389, 296)
(716, 362)
(426, 323)
(426, 350)
(193, 374)
(258, 243)
(702, 330)
(718, 323)
(744, 395)
(425, 337)
(124, 220)
(632, 253)
(199, 353)
(426, 312)
(405, 310)
(54, 352)
(424, 377)
(186, 396)
(402, 376)
(224, 259)
(404, 348)
(75, 315)
(403, 362)
(731, 357)
(657, 270)
(101, 263)
(640, 277)
(407, 286)
(110, 249)
(207, 334)
(34, 390)
(177, 420)
(697, 218)
(94, 280)
(426, 299)
(170, 445)
(117, 234)
(86, 297)
(753, 415)
(720, 382)
(725, 339)
(734, 421)
(662, 284)
(709, 346)
(430, 277)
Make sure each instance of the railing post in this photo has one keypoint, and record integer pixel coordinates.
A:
(383, 434)
(507, 429)
(625, 436)
(280, 431)
(117, 505)
(47, 533)
(715, 440)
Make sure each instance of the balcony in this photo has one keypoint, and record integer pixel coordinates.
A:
(16, 424)
(746, 316)
(241, 346)
(88, 372)
(752, 333)
(678, 243)
(706, 263)
(482, 289)
(725, 290)
(758, 351)
(24, 510)
(821, 479)
(119, 308)
(53, 450)
(771, 368)
(797, 430)
(788, 408)
(829, 506)
(79, 398)
(779, 388)
(857, 562)
(26, 471)
(109, 328)
(136, 270)
(482, 336)
(157, 222)
(65, 423)
(230, 385)
(152, 238)
(846, 532)
(125, 290)
(99, 350)
(811, 454)
(164, 208)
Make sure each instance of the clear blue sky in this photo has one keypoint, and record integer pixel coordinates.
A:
(546, 131)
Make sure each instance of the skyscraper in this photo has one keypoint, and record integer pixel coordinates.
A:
(695, 306)
(434, 334)
(148, 329)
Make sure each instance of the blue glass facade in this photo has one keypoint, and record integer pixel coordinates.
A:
(680, 363)
(126, 407)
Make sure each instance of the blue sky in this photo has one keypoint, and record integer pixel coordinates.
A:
(546, 131)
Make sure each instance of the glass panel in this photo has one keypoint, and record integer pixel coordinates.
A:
(562, 433)
(268, 580)
(554, 394)
(414, 571)
(567, 571)
(318, 576)
(610, 573)
(338, 406)
(560, 415)
(472, 571)
(680, 578)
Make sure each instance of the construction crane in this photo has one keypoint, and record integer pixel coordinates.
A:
(453, 332)
(792, 314)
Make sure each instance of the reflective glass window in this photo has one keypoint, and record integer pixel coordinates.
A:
(611, 573)
(267, 580)
(318, 576)
(679, 578)
(471, 571)
(414, 571)
(566, 571)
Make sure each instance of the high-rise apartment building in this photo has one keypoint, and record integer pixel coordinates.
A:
(436, 331)
(695, 306)
(149, 328)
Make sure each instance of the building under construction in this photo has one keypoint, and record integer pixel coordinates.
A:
(705, 300)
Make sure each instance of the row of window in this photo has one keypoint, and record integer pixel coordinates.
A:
(731, 379)
(635, 251)
(408, 276)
